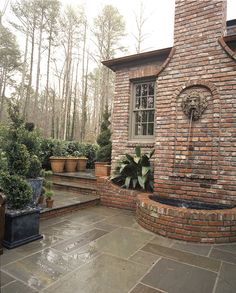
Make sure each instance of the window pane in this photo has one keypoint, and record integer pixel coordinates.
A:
(144, 116)
(151, 88)
(137, 103)
(144, 129)
(144, 102)
(144, 89)
(136, 130)
(150, 103)
(150, 128)
(150, 116)
(138, 90)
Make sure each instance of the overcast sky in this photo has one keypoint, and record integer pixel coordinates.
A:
(160, 23)
(159, 26)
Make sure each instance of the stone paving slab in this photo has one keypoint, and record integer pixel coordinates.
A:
(105, 274)
(201, 249)
(75, 243)
(223, 255)
(123, 242)
(17, 287)
(103, 250)
(227, 279)
(185, 257)
(43, 268)
(176, 277)
(5, 279)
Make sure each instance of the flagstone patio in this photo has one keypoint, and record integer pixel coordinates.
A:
(104, 250)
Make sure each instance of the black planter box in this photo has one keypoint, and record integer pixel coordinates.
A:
(21, 227)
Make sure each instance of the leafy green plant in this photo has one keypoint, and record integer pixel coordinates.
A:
(59, 149)
(104, 139)
(35, 167)
(49, 194)
(18, 192)
(135, 171)
(47, 183)
(18, 159)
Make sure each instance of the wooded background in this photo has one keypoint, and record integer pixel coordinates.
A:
(56, 74)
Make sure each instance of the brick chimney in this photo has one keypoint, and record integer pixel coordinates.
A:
(199, 20)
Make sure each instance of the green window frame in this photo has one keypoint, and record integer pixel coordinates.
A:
(143, 109)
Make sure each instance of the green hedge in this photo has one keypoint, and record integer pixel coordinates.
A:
(54, 147)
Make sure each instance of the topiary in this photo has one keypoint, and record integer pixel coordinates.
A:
(18, 159)
(104, 139)
(18, 192)
(35, 167)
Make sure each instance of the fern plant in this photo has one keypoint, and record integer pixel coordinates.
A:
(135, 171)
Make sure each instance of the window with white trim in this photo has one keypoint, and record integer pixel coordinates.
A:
(143, 110)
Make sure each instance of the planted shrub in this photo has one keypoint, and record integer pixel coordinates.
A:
(35, 167)
(104, 139)
(18, 192)
(18, 159)
(135, 171)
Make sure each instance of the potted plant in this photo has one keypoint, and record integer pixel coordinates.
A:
(81, 163)
(47, 184)
(22, 216)
(21, 219)
(49, 201)
(103, 155)
(71, 163)
(48, 189)
(58, 159)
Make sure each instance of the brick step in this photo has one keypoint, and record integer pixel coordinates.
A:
(67, 201)
(76, 187)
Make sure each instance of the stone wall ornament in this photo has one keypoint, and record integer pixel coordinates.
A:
(194, 105)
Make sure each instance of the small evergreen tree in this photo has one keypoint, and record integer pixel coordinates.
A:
(104, 139)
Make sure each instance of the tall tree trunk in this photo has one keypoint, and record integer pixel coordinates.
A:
(27, 100)
(38, 64)
(72, 136)
(22, 86)
(84, 104)
(48, 75)
(67, 84)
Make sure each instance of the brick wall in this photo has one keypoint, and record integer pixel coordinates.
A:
(114, 196)
(201, 164)
(196, 161)
(121, 142)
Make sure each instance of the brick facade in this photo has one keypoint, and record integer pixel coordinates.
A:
(196, 161)
(199, 64)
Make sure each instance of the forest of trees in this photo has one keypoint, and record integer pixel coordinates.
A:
(55, 73)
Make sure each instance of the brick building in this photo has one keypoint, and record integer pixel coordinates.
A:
(182, 102)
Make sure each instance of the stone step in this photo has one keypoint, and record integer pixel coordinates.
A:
(84, 178)
(76, 187)
(67, 201)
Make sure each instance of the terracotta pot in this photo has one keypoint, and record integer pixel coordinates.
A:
(49, 203)
(81, 164)
(102, 169)
(41, 199)
(57, 164)
(71, 164)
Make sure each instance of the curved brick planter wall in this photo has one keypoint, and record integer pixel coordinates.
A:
(215, 226)
(112, 195)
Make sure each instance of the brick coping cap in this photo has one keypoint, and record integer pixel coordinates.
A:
(151, 204)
